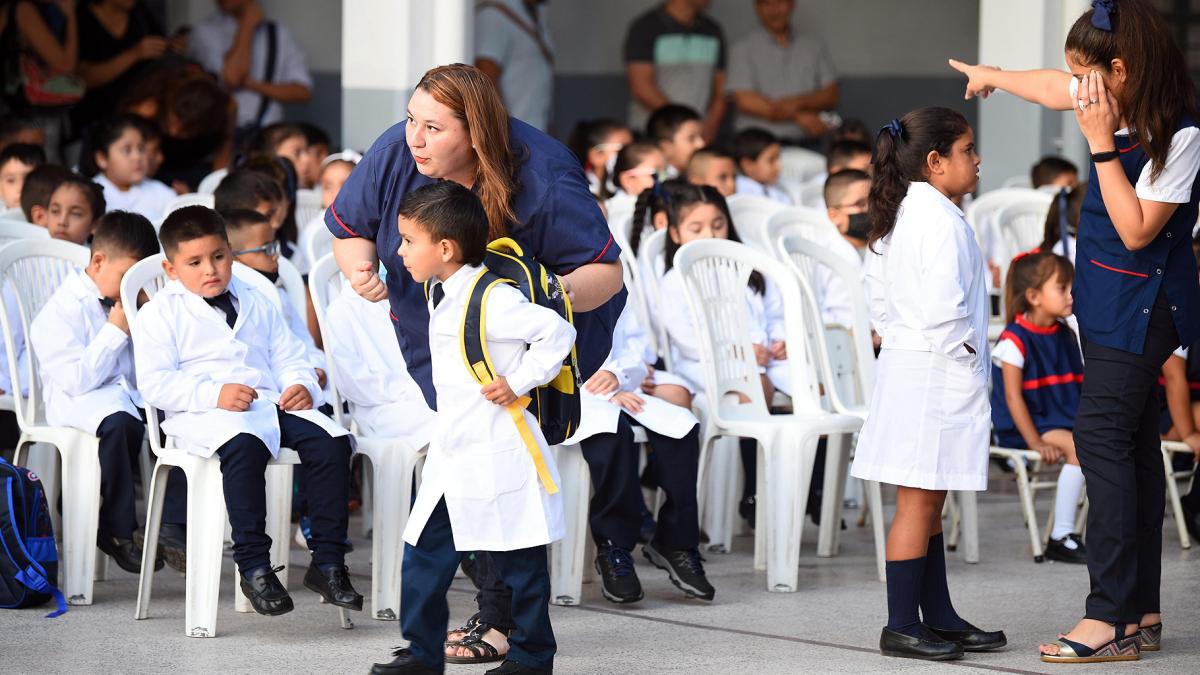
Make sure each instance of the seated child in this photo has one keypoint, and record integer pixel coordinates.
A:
(18, 128)
(1062, 222)
(75, 204)
(259, 187)
(35, 193)
(218, 359)
(1055, 173)
(86, 366)
(1037, 371)
(286, 139)
(384, 399)
(758, 152)
(713, 167)
(638, 166)
(335, 169)
(154, 152)
(120, 165)
(848, 154)
(16, 161)
(678, 131)
(596, 144)
(317, 146)
(846, 204)
(506, 510)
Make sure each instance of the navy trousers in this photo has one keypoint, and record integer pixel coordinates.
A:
(427, 571)
(121, 436)
(244, 461)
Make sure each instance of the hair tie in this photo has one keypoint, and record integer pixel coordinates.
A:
(894, 128)
(1024, 254)
(1102, 13)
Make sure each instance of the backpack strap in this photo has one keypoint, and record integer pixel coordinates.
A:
(30, 573)
(269, 71)
(479, 364)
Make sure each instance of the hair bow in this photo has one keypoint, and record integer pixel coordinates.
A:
(894, 128)
(1102, 13)
(1023, 254)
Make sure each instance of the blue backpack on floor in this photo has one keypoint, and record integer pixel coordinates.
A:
(28, 555)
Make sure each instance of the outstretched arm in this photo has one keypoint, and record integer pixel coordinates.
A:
(1049, 88)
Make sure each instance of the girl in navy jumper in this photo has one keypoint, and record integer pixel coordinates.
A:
(1037, 371)
(1137, 292)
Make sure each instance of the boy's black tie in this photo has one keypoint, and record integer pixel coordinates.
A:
(107, 304)
(437, 293)
(224, 302)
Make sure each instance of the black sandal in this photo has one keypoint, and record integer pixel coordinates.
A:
(465, 629)
(481, 650)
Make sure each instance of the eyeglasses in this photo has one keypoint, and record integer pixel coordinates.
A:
(271, 248)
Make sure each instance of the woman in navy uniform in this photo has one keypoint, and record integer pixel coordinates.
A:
(1136, 296)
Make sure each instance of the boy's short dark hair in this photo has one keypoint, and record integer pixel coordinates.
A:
(240, 219)
(188, 223)
(244, 189)
(842, 152)
(125, 234)
(1050, 167)
(750, 144)
(39, 185)
(665, 122)
(93, 192)
(447, 210)
(315, 135)
(836, 184)
(12, 124)
(25, 153)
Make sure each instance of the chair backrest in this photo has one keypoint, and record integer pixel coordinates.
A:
(253, 278)
(812, 194)
(1021, 225)
(316, 241)
(14, 230)
(190, 199)
(325, 281)
(147, 276)
(812, 224)
(1017, 182)
(652, 250)
(293, 285)
(750, 215)
(980, 215)
(15, 213)
(308, 205)
(715, 273)
(799, 166)
(209, 183)
(34, 269)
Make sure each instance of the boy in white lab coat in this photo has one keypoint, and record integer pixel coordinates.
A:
(218, 358)
(480, 489)
(81, 339)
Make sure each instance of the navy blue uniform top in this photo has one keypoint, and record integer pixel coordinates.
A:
(1115, 288)
(1051, 380)
(559, 223)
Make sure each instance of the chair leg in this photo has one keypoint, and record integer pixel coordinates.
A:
(154, 508)
(393, 472)
(567, 555)
(837, 466)
(368, 495)
(205, 541)
(950, 509)
(279, 527)
(81, 519)
(42, 459)
(1027, 508)
(787, 493)
(970, 520)
(1173, 499)
(761, 511)
(719, 493)
(874, 494)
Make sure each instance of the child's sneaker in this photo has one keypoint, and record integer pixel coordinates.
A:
(1069, 549)
(685, 568)
(619, 580)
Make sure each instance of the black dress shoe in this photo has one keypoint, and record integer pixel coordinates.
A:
(172, 546)
(514, 668)
(928, 647)
(973, 639)
(1066, 550)
(334, 586)
(127, 553)
(266, 594)
(404, 664)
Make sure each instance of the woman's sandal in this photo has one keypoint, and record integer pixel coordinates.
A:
(1120, 648)
(1150, 637)
(465, 629)
(481, 650)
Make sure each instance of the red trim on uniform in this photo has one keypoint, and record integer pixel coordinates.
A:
(1052, 380)
(1032, 328)
(1006, 335)
(1117, 269)
(393, 315)
(1131, 148)
(606, 247)
(339, 222)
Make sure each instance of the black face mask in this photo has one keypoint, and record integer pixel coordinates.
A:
(860, 226)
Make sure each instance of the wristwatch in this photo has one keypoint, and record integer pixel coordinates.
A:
(1108, 156)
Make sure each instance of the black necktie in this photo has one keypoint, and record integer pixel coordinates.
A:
(437, 294)
(107, 304)
(224, 302)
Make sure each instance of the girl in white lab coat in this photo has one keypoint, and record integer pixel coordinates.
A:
(929, 423)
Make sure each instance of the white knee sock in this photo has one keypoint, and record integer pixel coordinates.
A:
(1066, 501)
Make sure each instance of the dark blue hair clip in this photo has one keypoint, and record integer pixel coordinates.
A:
(1102, 12)
(894, 128)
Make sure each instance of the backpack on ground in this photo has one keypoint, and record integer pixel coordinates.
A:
(28, 554)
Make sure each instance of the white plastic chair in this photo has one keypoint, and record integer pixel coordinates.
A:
(190, 199)
(209, 183)
(1025, 462)
(1169, 449)
(14, 230)
(36, 268)
(715, 274)
(800, 166)
(316, 241)
(812, 195)
(652, 248)
(393, 464)
(980, 214)
(206, 516)
(568, 556)
(15, 213)
(750, 215)
(1021, 224)
(308, 206)
(1018, 182)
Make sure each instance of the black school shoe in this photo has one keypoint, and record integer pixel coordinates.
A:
(1061, 550)
(404, 664)
(334, 586)
(927, 647)
(126, 552)
(972, 639)
(685, 569)
(267, 595)
(514, 668)
(619, 579)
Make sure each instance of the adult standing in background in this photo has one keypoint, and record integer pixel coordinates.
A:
(675, 53)
(256, 59)
(781, 81)
(513, 48)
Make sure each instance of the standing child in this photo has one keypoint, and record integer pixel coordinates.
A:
(16, 161)
(1138, 297)
(121, 166)
(678, 131)
(1037, 371)
(758, 155)
(928, 430)
(505, 508)
(218, 359)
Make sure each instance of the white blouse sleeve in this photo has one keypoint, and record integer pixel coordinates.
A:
(1007, 351)
(1174, 184)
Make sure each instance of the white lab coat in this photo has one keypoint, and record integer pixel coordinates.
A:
(85, 362)
(929, 421)
(186, 353)
(476, 457)
(384, 399)
(628, 361)
(299, 328)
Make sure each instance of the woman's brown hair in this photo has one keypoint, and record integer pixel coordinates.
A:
(1158, 90)
(1031, 271)
(473, 98)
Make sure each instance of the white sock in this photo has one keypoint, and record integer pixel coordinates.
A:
(1066, 500)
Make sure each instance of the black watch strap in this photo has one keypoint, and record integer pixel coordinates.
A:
(1109, 156)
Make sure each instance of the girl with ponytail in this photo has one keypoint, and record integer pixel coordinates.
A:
(1137, 296)
(929, 425)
